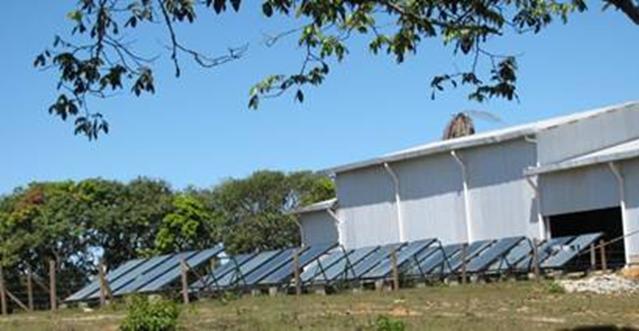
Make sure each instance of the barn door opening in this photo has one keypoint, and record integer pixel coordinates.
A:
(606, 220)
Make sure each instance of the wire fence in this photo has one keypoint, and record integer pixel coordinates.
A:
(25, 290)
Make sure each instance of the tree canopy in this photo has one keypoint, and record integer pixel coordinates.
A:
(98, 59)
(79, 223)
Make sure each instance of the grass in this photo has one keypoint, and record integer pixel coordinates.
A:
(496, 306)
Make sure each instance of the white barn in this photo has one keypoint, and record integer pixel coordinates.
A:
(566, 175)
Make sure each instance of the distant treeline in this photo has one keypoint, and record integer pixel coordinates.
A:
(77, 223)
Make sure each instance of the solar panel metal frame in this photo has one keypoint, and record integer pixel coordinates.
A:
(496, 251)
(286, 272)
(339, 271)
(440, 259)
(238, 277)
(111, 276)
(570, 251)
(543, 251)
(322, 265)
(263, 271)
(371, 261)
(408, 251)
(513, 258)
(131, 276)
(173, 262)
(209, 282)
(192, 261)
(474, 249)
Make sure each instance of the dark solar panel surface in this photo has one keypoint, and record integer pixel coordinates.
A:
(131, 276)
(315, 270)
(210, 280)
(492, 253)
(385, 267)
(516, 255)
(263, 271)
(237, 276)
(173, 262)
(437, 262)
(473, 250)
(570, 251)
(173, 273)
(111, 276)
(372, 260)
(286, 271)
(544, 250)
(344, 266)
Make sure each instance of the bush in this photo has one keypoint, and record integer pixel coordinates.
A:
(150, 315)
(387, 324)
(556, 288)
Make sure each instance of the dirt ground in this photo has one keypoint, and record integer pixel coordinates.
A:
(496, 306)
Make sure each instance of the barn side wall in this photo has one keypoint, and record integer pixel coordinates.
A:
(318, 227)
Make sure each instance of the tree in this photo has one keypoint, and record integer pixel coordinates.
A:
(98, 59)
(189, 226)
(256, 211)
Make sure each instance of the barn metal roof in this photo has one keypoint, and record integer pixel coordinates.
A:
(318, 206)
(485, 138)
(623, 151)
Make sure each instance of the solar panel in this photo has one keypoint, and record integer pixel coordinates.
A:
(286, 271)
(238, 275)
(211, 279)
(385, 267)
(544, 250)
(94, 286)
(172, 274)
(492, 253)
(322, 264)
(131, 276)
(472, 250)
(412, 269)
(259, 273)
(438, 260)
(570, 251)
(372, 260)
(345, 266)
(514, 256)
(173, 262)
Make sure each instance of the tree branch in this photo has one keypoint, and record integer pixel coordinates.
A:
(628, 7)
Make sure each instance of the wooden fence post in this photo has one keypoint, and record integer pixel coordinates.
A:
(102, 282)
(604, 262)
(593, 258)
(3, 294)
(535, 258)
(296, 272)
(395, 270)
(464, 253)
(52, 285)
(29, 288)
(185, 281)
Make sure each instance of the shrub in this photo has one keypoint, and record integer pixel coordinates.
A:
(385, 323)
(150, 315)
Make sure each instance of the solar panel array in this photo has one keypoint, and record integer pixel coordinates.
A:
(329, 265)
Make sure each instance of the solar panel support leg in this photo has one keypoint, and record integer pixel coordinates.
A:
(29, 288)
(535, 258)
(3, 294)
(604, 263)
(185, 281)
(52, 285)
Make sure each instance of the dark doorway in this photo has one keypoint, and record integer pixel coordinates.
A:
(606, 220)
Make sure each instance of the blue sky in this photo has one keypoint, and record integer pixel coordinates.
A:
(197, 129)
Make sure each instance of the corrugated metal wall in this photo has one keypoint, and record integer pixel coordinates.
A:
(367, 207)
(318, 228)
(587, 135)
(580, 189)
(432, 198)
(630, 170)
(502, 202)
